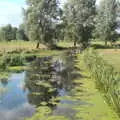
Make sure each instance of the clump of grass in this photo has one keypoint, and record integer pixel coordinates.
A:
(107, 79)
(13, 59)
(2, 65)
(4, 75)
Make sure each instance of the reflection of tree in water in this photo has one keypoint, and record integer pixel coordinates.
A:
(4, 82)
(47, 76)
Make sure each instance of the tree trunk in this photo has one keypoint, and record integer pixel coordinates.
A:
(105, 43)
(37, 46)
(75, 43)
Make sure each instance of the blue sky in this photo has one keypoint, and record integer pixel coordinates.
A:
(11, 12)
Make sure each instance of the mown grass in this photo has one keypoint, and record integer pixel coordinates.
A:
(109, 53)
(65, 44)
(112, 56)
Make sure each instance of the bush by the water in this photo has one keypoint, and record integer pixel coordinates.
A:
(2, 65)
(13, 59)
(107, 79)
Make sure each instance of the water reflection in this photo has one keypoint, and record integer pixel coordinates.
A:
(46, 79)
(13, 99)
(4, 82)
(50, 77)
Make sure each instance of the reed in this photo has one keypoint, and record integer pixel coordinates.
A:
(107, 79)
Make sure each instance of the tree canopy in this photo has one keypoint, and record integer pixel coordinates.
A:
(41, 20)
(80, 17)
(106, 20)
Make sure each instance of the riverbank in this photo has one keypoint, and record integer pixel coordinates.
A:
(97, 107)
(84, 100)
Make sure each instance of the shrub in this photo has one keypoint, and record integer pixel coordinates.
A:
(2, 65)
(14, 59)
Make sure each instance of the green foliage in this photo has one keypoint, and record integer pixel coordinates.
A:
(41, 19)
(80, 16)
(9, 33)
(106, 21)
(2, 65)
(20, 33)
(107, 79)
(13, 59)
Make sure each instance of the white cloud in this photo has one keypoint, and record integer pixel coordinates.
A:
(10, 13)
(25, 110)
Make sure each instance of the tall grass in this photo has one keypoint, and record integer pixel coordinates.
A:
(107, 79)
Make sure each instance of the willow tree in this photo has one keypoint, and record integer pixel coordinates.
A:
(106, 20)
(41, 19)
(80, 17)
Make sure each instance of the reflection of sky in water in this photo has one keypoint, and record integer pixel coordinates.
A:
(14, 103)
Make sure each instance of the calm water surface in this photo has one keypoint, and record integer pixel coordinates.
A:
(46, 78)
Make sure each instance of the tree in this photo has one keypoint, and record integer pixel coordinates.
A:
(41, 18)
(14, 31)
(8, 33)
(106, 21)
(80, 17)
(20, 33)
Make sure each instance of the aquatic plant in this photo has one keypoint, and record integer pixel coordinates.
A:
(13, 59)
(2, 65)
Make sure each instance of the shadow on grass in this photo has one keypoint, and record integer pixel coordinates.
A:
(100, 46)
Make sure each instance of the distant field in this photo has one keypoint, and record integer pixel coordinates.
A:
(18, 45)
(65, 44)
(112, 56)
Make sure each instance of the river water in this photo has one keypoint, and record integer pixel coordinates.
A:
(46, 77)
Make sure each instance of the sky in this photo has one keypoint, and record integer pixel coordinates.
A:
(11, 12)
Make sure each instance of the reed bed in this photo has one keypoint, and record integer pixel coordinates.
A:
(107, 79)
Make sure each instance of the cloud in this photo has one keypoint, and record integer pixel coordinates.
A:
(10, 12)
(25, 110)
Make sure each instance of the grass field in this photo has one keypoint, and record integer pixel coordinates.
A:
(18, 45)
(112, 55)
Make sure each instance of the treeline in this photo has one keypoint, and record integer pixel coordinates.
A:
(8, 33)
(78, 20)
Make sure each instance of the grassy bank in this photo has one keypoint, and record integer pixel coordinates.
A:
(96, 107)
(106, 77)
